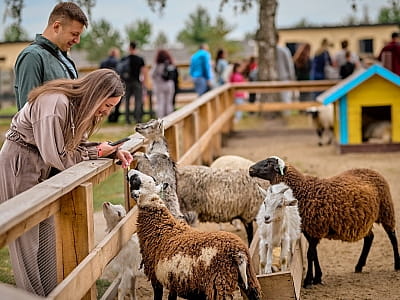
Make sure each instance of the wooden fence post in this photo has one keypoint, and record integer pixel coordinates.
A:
(75, 231)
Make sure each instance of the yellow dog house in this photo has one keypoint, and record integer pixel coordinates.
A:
(367, 111)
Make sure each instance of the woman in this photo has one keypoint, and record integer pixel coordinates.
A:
(163, 86)
(302, 66)
(221, 65)
(49, 134)
(240, 97)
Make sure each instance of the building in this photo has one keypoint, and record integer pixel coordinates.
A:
(366, 102)
(365, 40)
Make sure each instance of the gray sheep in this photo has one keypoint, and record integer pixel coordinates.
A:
(190, 263)
(343, 207)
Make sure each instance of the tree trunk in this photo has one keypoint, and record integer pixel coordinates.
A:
(266, 40)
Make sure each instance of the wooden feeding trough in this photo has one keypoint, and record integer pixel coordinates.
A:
(280, 285)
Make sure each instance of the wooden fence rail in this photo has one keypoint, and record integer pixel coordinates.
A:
(194, 135)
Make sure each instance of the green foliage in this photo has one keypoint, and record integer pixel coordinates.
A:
(140, 32)
(390, 14)
(6, 274)
(99, 39)
(15, 33)
(161, 41)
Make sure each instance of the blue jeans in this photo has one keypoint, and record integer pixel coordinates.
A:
(200, 85)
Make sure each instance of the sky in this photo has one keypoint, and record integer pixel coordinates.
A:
(123, 12)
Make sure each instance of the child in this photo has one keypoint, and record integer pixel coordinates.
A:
(348, 68)
(240, 96)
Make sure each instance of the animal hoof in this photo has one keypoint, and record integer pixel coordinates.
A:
(358, 270)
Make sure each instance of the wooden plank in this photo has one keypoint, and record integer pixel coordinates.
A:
(29, 203)
(188, 132)
(81, 279)
(9, 292)
(75, 231)
(276, 106)
(277, 286)
(192, 154)
(20, 228)
(173, 143)
(112, 292)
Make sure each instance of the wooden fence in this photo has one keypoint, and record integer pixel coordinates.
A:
(194, 134)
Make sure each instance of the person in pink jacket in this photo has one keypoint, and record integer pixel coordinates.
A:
(48, 135)
(240, 96)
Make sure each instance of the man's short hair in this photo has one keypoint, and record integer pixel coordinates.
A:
(344, 44)
(67, 11)
(132, 45)
(395, 35)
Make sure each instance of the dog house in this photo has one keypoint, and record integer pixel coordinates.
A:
(366, 111)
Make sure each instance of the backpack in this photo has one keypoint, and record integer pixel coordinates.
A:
(123, 68)
(168, 72)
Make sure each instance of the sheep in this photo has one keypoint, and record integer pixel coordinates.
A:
(279, 226)
(378, 132)
(343, 207)
(322, 118)
(223, 193)
(190, 263)
(232, 162)
(126, 264)
(220, 195)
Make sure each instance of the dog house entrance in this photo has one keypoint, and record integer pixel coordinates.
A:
(376, 123)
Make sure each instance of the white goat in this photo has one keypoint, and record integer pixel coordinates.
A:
(126, 264)
(279, 226)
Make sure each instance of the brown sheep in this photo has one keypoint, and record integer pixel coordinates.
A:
(343, 207)
(190, 263)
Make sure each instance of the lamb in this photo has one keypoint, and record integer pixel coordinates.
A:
(343, 207)
(279, 226)
(221, 195)
(322, 118)
(190, 263)
(232, 162)
(378, 132)
(153, 130)
(127, 263)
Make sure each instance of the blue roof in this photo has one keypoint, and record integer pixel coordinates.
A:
(346, 85)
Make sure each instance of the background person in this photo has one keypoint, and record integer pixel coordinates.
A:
(341, 58)
(390, 54)
(221, 66)
(112, 60)
(163, 88)
(302, 66)
(200, 70)
(46, 58)
(49, 133)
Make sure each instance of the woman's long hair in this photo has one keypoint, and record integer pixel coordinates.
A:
(85, 95)
(163, 56)
(302, 55)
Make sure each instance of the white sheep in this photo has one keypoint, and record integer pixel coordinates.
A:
(190, 263)
(220, 195)
(378, 132)
(126, 264)
(279, 226)
(232, 162)
(322, 118)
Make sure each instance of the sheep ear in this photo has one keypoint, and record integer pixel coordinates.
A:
(262, 191)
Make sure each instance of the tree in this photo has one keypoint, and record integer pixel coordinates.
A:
(266, 33)
(161, 40)
(140, 32)
(15, 33)
(99, 39)
(391, 14)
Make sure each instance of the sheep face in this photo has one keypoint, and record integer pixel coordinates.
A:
(270, 169)
(151, 129)
(143, 188)
(113, 214)
(276, 198)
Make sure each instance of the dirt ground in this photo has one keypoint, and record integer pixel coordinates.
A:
(294, 140)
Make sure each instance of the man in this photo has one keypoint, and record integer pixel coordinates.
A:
(390, 54)
(46, 58)
(134, 86)
(340, 57)
(112, 60)
(200, 69)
